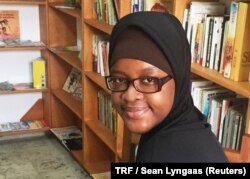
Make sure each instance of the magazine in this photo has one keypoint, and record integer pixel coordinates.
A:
(70, 137)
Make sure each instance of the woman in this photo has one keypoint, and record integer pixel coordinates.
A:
(149, 63)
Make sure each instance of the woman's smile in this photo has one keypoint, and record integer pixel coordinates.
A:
(134, 112)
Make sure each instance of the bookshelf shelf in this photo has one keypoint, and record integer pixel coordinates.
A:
(97, 79)
(242, 88)
(29, 131)
(77, 154)
(32, 48)
(45, 90)
(100, 25)
(25, 2)
(101, 146)
(70, 101)
(70, 57)
(74, 12)
(102, 132)
(97, 167)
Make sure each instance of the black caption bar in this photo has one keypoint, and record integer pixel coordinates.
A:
(162, 170)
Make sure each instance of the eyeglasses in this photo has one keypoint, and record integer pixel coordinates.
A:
(143, 84)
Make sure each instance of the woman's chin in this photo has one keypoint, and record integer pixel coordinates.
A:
(137, 128)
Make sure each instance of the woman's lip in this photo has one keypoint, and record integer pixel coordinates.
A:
(135, 112)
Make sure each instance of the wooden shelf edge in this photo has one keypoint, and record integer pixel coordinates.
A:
(20, 132)
(97, 167)
(70, 57)
(100, 25)
(102, 133)
(25, 2)
(72, 11)
(240, 156)
(72, 103)
(24, 91)
(97, 79)
(22, 48)
(242, 88)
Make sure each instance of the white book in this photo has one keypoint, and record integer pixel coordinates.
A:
(207, 94)
(214, 116)
(205, 40)
(198, 82)
(216, 40)
(199, 94)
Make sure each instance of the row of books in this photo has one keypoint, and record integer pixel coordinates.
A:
(217, 39)
(73, 83)
(22, 125)
(70, 137)
(100, 53)
(107, 114)
(223, 109)
(106, 11)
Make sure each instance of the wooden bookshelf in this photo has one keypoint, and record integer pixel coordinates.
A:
(105, 147)
(40, 110)
(242, 88)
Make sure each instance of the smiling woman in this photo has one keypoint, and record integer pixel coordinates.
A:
(149, 64)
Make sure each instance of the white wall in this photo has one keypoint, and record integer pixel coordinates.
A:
(15, 66)
(28, 20)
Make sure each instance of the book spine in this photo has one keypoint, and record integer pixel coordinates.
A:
(241, 54)
(228, 53)
(209, 42)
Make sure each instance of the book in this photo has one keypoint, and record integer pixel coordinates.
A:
(70, 137)
(73, 81)
(68, 132)
(226, 103)
(241, 52)
(39, 74)
(226, 29)
(215, 110)
(228, 51)
(206, 8)
(216, 42)
(9, 25)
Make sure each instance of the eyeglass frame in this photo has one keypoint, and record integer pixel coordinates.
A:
(161, 82)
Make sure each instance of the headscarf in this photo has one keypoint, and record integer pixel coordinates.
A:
(167, 33)
(134, 43)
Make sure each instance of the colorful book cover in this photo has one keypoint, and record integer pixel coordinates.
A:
(73, 81)
(241, 54)
(9, 25)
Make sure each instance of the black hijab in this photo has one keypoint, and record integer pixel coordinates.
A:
(161, 144)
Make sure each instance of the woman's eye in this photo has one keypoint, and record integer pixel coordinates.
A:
(119, 80)
(149, 80)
